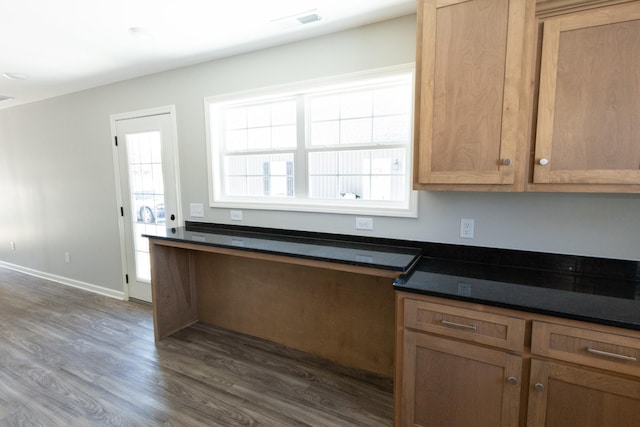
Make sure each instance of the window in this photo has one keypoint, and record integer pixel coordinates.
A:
(339, 145)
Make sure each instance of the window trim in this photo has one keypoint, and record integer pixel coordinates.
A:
(348, 207)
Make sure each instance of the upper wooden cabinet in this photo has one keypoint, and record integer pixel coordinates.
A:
(588, 127)
(535, 95)
(469, 68)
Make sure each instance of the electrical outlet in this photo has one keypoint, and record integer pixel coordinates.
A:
(13, 246)
(466, 228)
(67, 257)
(196, 210)
(236, 215)
(364, 223)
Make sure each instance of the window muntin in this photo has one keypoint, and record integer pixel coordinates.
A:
(342, 146)
(259, 126)
(372, 115)
(259, 175)
(369, 174)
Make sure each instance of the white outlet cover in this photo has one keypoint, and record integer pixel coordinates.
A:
(196, 210)
(467, 228)
(364, 223)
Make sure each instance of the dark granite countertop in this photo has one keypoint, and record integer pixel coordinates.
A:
(605, 300)
(393, 258)
(599, 290)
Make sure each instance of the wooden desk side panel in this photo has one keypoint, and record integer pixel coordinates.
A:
(345, 317)
(172, 289)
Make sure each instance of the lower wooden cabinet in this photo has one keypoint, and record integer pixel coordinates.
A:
(451, 370)
(448, 383)
(566, 395)
(583, 377)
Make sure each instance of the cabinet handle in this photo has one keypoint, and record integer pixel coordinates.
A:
(506, 162)
(543, 162)
(539, 387)
(613, 355)
(512, 380)
(458, 325)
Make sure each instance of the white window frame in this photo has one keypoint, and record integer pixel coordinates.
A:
(217, 199)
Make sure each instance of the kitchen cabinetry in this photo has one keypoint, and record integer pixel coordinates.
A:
(564, 394)
(462, 363)
(447, 377)
(469, 67)
(526, 95)
(588, 130)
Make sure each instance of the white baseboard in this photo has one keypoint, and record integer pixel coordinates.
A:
(65, 281)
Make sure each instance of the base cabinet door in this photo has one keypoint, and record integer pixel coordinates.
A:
(451, 383)
(564, 396)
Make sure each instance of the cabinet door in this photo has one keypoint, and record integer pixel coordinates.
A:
(469, 66)
(589, 103)
(563, 395)
(449, 383)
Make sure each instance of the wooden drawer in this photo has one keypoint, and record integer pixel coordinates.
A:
(470, 325)
(590, 347)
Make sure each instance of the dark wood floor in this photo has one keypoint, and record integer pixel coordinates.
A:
(73, 358)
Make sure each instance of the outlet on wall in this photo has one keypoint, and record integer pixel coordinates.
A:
(466, 228)
(67, 257)
(13, 246)
(364, 223)
(236, 215)
(196, 210)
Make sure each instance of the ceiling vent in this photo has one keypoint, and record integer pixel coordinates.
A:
(296, 20)
(15, 76)
(307, 19)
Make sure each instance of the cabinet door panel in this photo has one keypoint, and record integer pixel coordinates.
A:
(456, 384)
(588, 127)
(571, 396)
(469, 69)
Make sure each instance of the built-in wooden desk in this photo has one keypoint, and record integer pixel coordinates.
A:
(332, 298)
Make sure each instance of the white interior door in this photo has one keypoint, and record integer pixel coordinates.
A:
(146, 163)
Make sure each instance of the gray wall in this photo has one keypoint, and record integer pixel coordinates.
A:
(57, 182)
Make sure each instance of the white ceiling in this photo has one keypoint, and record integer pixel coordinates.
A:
(64, 46)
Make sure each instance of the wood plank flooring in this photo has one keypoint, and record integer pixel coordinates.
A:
(73, 358)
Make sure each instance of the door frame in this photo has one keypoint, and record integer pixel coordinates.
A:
(113, 118)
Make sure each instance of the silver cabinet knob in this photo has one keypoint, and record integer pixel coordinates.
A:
(506, 162)
(539, 387)
(512, 380)
(543, 162)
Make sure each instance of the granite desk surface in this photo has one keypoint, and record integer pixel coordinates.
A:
(393, 258)
(604, 291)
(609, 301)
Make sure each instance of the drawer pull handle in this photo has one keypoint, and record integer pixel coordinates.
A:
(458, 325)
(614, 355)
(539, 387)
(512, 380)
